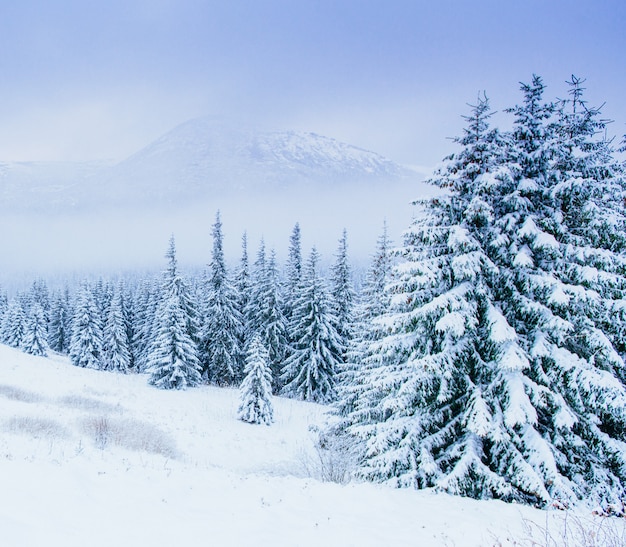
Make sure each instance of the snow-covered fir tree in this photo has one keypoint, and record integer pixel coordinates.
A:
(116, 345)
(59, 325)
(375, 299)
(14, 323)
(242, 280)
(265, 313)
(493, 373)
(40, 295)
(128, 314)
(373, 303)
(252, 313)
(145, 305)
(86, 340)
(255, 405)
(103, 293)
(309, 371)
(343, 294)
(4, 304)
(221, 354)
(293, 271)
(173, 355)
(35, 340)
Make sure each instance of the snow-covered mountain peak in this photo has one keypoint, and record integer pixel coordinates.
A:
(242, 156)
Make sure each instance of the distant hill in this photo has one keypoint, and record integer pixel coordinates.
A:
(100, 216)
(201, 159)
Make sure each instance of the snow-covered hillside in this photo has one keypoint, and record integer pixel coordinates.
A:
(100, 459)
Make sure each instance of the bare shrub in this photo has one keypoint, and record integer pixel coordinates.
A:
(18, 394)
(333, 459)
(36, 427)
(88, 404)
(129, 434)
(572, 530)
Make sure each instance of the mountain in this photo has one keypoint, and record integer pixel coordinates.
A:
(201, 159)
(205, 157)
(99, 216)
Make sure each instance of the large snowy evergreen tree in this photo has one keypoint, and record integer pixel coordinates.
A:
(256, 389)
(173, 356)
(221, 352)
(494, 372)
(309, 371)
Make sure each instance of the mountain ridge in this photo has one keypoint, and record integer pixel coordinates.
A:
(199, 159)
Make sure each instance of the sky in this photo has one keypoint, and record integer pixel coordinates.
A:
(100, 80)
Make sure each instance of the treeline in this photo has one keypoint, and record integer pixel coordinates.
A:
(183, 331)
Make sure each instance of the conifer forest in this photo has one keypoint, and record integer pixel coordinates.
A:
(483, 355)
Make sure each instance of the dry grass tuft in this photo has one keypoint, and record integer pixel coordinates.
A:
(18, 394)
(130, 434)
(36, 427)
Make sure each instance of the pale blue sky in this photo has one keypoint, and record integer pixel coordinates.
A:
(87, 80)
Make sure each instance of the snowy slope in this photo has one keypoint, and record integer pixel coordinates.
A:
(100, 459)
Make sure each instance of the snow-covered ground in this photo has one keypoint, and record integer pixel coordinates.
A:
(101, 459)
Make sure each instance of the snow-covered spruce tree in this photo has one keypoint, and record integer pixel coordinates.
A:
(14, 323)
(375, 300)
(145, 305)
(221, 353)
(86, 340)
(35, 339)
(274, 329)
(342, 291)
(243, 289)
(4, 303)
(173, 356)
(129, 317)
(103, 293)
(116, 346)
(242, 280)
(590, 193)
(309, 371)
(265, 314)
(59, 325)
(293, 271)
(256, 389)
(252, 313)
(39, 295)
(492, 375)
(373, 303)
